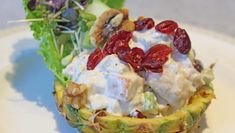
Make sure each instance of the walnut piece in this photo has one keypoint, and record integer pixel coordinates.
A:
(107, 24)
(75, 95)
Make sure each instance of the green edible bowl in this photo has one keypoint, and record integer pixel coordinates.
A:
(182, 121)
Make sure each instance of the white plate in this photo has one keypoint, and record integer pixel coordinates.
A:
(27, 105)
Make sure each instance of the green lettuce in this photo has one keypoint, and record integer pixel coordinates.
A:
(52, 58)
(42, 32)
(150, 102)
(51, 43)
(117, 4)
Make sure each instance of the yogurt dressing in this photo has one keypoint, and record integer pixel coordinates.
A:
(148, 38)
(117, 88)
(179, 79)
(113, 84)
(176, 84)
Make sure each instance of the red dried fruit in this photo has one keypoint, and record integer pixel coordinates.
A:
(144, 23)
(197, 64)
(136, 55)
(167, 27)
(122, 49)
(124, 36)
(123, 54)
(140, 115)
(149, 23)
(94, 59)
(137, 114)
(182, 41)
(119, 45)
(132, 56)
(156, 57)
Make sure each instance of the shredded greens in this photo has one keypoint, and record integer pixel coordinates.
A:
(42, 31)
(114, 3)
(63, 37)
(150, 102)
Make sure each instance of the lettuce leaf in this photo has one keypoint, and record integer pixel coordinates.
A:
(117, 4)
(42, 32)
(150, 102)
(52, 58)
(50, 44)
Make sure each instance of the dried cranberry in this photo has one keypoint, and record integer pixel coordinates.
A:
(136, 55)
(32, 5)
(156, 57)
(121, 45)
(128, 59)
(122, 49)
(167, 26)
(94, 59)
(197, 64)
(149, 23)
(137, 114)
(182, 41)
(132, 56)
(124, 55)
(123, 36)
(144, 23)
(140, 115)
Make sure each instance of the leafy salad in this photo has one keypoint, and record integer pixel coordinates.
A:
(115, 74)
(63, 26)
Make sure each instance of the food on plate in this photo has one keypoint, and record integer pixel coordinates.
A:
(114, 73)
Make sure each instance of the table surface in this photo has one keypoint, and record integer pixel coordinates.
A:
(215, 15)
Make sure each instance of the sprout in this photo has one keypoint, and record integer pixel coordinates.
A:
(78, 4)
(67, 59)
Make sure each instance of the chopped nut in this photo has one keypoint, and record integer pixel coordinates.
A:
(68, 100)
(109, 22)
(75, 102)
(128, 26)
(75, 89)
(116, 21)
(125, 13)
(75, 95)
(98, 28)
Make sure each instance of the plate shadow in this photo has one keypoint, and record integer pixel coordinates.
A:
(34, 81)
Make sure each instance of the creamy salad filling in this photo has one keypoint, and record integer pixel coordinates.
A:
(112, 65)
(113, 84)
(116, 87)
(148, 38)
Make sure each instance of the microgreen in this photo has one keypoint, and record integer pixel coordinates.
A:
(62, 26)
